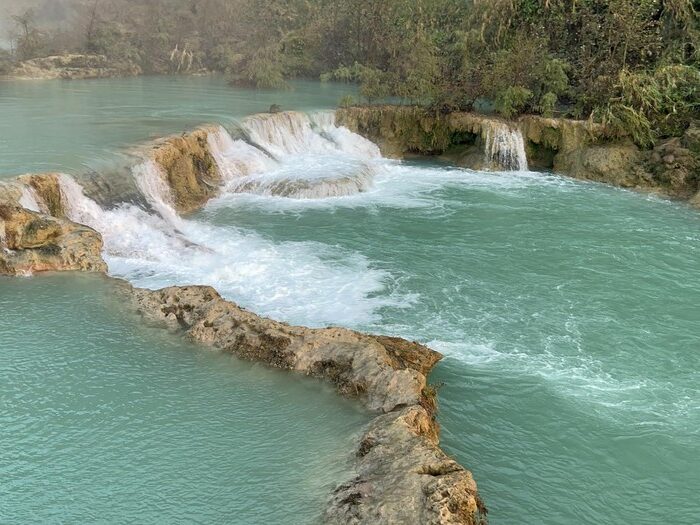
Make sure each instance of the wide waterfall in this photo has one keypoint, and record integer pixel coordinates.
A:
(291, 133)
(295, 155)
(505, 146)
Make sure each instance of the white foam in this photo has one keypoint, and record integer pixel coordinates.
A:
(293, 133)
(314, 159)
(296, 282)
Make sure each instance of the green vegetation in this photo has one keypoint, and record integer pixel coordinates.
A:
(632, 64)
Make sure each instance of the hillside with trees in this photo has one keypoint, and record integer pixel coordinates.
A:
(630, 64)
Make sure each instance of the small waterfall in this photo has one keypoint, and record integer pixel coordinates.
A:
(237, 158)
(128, 231)
(151, 181)
(29, 200)
(79, 207)
(287, 133)
(313, 158)
(293, 133)
(505, 146)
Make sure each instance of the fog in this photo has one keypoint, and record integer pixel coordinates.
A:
(50, 14)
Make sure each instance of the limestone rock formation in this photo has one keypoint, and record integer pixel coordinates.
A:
(32, 242)
(190, 169)
(47, 188)
(575, 148)
(73, 66)
(402, 475)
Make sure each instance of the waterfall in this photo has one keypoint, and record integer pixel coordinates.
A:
(236, 158)
(79, 207)
(293, 133)
(151, 181)
(313, 158)
(287, 133)
(128, 231)
(297, 181)
(505, 146)
(29, 200)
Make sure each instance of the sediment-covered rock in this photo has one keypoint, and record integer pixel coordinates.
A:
(402, 475)
(189, 167)
(73, 66)
(33, 242)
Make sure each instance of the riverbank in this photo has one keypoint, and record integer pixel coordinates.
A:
(578, 149)
(71, 67)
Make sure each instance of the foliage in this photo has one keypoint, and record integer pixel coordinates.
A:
(6, 62)
(346, 101)
(630, 63)
(512, 100)
(547, 103)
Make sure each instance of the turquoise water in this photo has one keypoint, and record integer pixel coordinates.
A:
(568, 311)
(70, 126)
(105, 420)
(569, 314)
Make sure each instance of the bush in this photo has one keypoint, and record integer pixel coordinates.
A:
(6, 62)
(546, 104)
(512, 101)
(347, 101)
(646, 106)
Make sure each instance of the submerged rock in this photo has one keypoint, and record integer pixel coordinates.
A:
(402, 474)
(33, 242)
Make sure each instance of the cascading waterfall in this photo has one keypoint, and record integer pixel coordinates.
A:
(291, 133)
(285, 133)
(313, 158)
(505, 146)
(237, 158)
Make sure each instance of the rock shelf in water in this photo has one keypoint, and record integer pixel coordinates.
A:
(402, 474)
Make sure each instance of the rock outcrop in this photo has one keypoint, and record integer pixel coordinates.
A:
(575, 148)
(73, 66)
(47, 188)
(190, 168)
(33, 242)
(402, 474)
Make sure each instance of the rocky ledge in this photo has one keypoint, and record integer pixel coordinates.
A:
(72, 67)
(402, 474)
(575, 148)
(42, 239)
(33, 242)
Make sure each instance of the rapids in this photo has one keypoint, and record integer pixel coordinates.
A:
(568, 311)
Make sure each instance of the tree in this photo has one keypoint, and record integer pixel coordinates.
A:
(27, 38)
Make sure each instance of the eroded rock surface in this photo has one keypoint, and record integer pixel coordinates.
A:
(33, 242)
(190, 169)
(402, 474)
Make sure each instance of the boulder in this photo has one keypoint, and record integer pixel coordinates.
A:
(190, 169)
(32, 242)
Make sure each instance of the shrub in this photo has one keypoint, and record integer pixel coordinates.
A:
(512, 101)
(547, 103)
